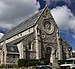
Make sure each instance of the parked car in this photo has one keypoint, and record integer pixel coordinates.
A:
(69, 64)
(43, 67)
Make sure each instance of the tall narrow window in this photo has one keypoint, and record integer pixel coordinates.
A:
(55, 53)
(29, 46)
(3, 57)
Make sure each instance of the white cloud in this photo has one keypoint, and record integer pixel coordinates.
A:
(73, 36)
(6, 25)
(13, 12)
(1, 34)
(73, 51)
(64, 18)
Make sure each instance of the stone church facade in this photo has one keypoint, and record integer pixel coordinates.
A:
(35, 38)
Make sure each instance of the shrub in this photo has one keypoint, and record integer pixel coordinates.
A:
(27, 62)
(22, 62)
(32, 62)
(43, 61)
(61, 62)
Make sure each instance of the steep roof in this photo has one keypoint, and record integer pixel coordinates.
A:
(64, 40)
(30, 22)
(23, 26)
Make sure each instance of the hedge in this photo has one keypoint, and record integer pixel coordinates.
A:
(32, 62)
(22, 62)
(27, 62)
(61, 62)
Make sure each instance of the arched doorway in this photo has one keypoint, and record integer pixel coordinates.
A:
(48, 51)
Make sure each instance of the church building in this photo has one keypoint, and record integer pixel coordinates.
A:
(37, 37)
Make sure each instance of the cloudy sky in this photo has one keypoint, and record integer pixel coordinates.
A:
(13, 12)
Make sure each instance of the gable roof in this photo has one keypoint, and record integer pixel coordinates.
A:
(30, 22)
(23, 26)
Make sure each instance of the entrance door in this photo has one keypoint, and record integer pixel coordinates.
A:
(48, 53)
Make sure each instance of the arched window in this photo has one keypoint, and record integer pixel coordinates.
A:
(48, 53)
(29, 45)
(48, 50)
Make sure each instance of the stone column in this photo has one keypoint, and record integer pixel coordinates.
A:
(59, 46)
(4, 52)
(52, 56)
(36, 39)
(20, 48)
